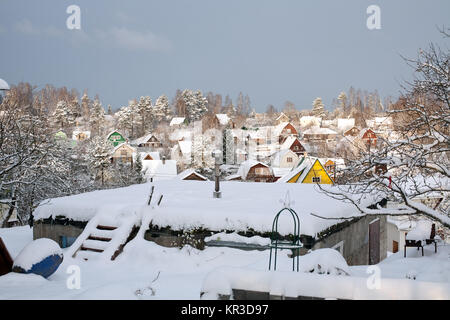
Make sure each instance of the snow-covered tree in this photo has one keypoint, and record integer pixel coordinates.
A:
(144, 110)
(85, 106)
(127, 118)
(99, 152)
(196, 104)
(97, 117)
(318, 108)
(162, 109)
(62, 115)
(416, 164)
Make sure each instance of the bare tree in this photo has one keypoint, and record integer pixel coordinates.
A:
(416, 163)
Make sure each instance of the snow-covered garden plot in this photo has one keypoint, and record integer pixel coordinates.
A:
(188, 205)
(148, 271)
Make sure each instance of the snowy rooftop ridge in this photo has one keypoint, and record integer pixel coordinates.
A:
(188, 205)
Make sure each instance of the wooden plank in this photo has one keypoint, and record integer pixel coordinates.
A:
(374, 242)
(100, 227)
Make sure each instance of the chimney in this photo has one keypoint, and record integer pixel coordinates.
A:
(164, 160)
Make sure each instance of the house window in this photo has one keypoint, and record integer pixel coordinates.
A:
(289, 159)
(316, 179)
(296, 148)
(339, 247)
(123, 153)
(259, 171)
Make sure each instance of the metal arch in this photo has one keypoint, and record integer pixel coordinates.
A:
(294, 245)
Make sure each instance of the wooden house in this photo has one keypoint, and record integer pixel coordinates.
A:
(284, 130)
(353, 132)
(255, 171)
(123, 153)
(116, 138)
(368, 137)
(281, 118)
(308, 170)
(148, 141)
(284, 159)
(293, 143)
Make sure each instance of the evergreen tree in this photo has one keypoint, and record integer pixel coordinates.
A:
(97, 117)
(162, 109)
(318, 108)
(62, 114)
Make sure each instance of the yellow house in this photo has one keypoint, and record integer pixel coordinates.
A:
(308, 170)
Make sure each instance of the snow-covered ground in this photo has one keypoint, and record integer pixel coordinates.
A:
(147, 271)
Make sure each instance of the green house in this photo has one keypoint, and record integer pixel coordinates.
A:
(116, 138)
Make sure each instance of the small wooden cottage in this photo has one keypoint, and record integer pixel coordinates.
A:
(255, 171)
(354, 132)
(284, 130)
(123, 153)
(308, 170)
(148, 141)
(293, 143)
(116, 138)
(368, 137)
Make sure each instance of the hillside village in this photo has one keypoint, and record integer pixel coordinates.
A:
(219, 198)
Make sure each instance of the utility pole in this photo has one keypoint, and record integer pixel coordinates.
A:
(218, 161)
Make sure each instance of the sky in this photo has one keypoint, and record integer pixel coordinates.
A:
(273, 51)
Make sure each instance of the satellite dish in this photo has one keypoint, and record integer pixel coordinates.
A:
(4, 85)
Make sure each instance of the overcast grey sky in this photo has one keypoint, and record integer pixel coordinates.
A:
(271, 50)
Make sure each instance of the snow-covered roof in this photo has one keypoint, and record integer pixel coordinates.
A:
(319, 130)
(345, 124)
(288, 143)
(279, 128)
(180, 134)
(245, 167)
(189, 205)
(143, 139)
(124, 145)
(186, 173)
(159, 169)
(223, 118)
(305, 165)
(278, 156)
(185, 147)
(176, 121)
(4, 85)
(155, 155)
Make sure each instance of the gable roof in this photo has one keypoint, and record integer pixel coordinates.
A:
(186, 173)
(223, 118)
(279, 155)
(245, 167)
(185, 147)
(299, 172)
(159, 169)
(176, 121)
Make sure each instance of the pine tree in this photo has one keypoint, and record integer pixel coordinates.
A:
(162, 109)
(99, 158)
(97, 117)
(62, 114)
(144, 111)
(318, 108)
